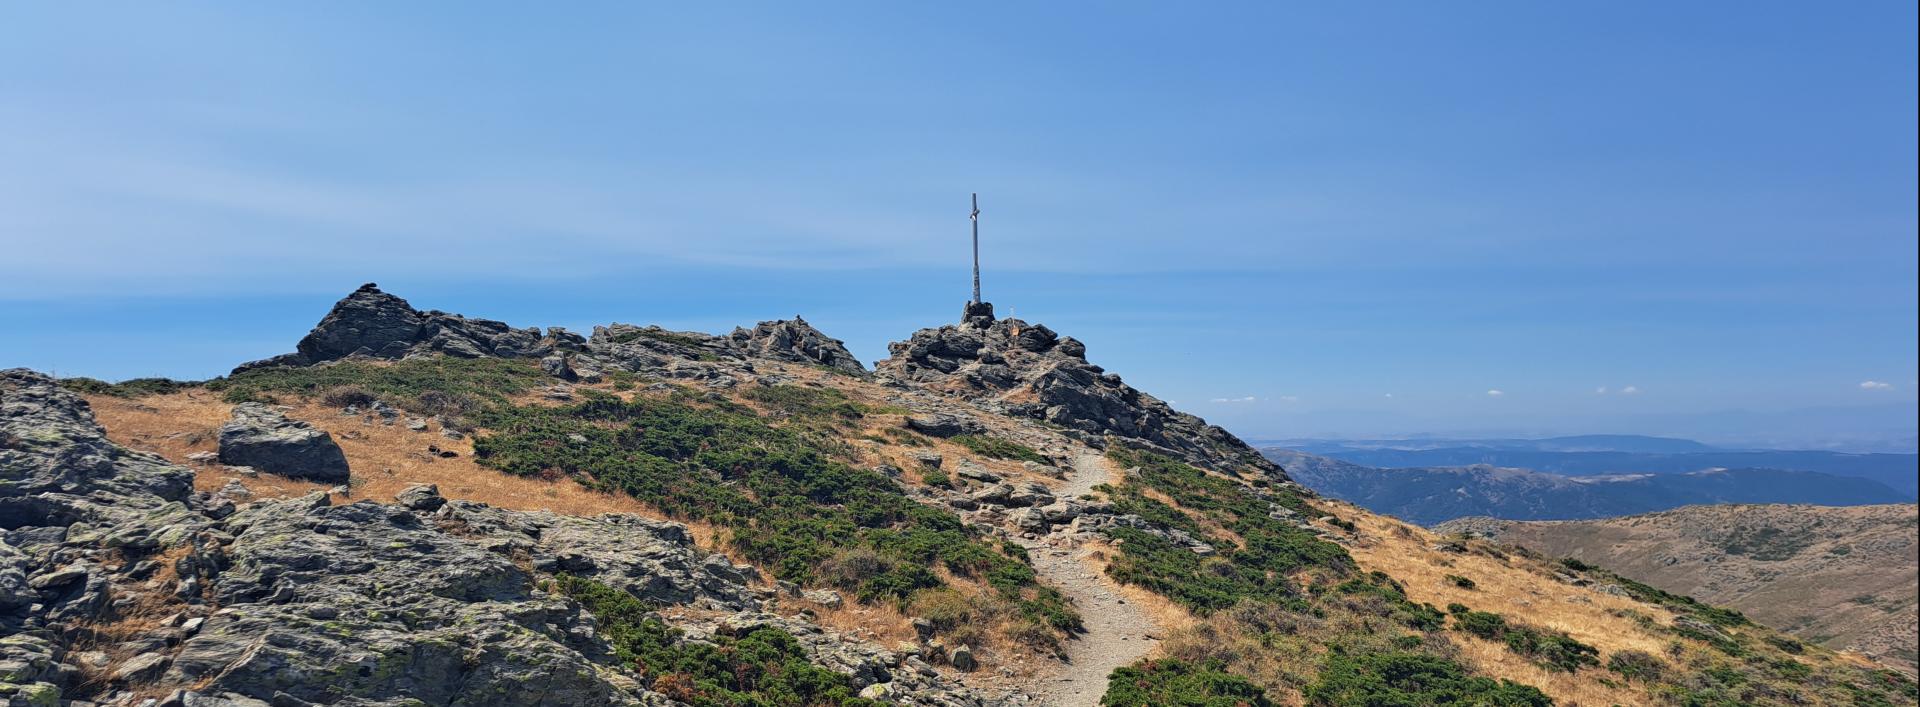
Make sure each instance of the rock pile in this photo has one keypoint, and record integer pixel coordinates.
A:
(1026, 370)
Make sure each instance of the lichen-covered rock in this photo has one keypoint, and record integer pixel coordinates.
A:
(261, 437)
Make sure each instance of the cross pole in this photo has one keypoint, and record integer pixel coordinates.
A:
(975, 217)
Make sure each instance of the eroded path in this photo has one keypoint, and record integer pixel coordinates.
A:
(1118, 632)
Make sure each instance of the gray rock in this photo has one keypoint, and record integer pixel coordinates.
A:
(986, 360)
(794, 340)
(141, 668)
(944, 425)
(974, 472)
(372, 323)
(421, 497)
(261, 437)
(824, 597)
(961, 658)
(929, 460)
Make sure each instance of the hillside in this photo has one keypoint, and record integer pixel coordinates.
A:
(1841, 577)
(1429, 495)
(416, 507)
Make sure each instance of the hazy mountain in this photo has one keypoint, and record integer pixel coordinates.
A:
(1429, 495)
(1613, 454)
(1842, 577)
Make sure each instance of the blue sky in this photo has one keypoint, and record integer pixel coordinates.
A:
(1290, 220)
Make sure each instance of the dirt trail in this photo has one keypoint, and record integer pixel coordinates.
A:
(1117, 631)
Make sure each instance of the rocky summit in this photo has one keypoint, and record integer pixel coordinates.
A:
(373, 324)
(1014, 368)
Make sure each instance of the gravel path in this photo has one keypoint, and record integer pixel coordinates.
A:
(1117, 631)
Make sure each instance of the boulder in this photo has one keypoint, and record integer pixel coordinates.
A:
(260, 437)
(944, 425)
(421, 497)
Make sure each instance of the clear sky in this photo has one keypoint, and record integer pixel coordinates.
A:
(1348, 219)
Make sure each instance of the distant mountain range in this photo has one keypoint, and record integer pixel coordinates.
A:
(1429, 495)
(1841, 577)
(1610, 455)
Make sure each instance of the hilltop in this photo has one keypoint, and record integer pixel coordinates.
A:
(1840, 577)
(643, 516)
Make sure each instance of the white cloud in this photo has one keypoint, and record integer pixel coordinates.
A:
(1289, 398)
(1247, 399)
(1875, 385)
(1495, 393)
(1389, 395)
(1630, 390)
(1602, 390)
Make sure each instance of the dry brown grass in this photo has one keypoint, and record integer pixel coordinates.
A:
(1519, 588)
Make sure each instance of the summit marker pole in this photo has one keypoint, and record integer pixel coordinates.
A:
(975, 217)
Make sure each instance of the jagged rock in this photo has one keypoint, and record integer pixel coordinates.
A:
(929, 460)
(943, 425)
(1021, 369)
(1029, 494)
(372, 323)
(974, 472)
(794, 340)
(261, 437)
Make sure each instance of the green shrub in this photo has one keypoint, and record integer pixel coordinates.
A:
(935, 477)
(1413, 680)
(400, 382)
(1550, 649)
(1172, 682)
(998, 448)
(765, 666)
(1636, 665)
(1258, 568)
(130, 388)
(806, 401)
(789, 505)
(1461, 582)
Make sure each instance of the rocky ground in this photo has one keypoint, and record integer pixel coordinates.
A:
(119, 585)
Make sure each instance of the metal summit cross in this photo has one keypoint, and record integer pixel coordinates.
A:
(975, 217)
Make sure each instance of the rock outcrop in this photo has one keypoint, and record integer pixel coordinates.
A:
(263, 438)
(794, 340)
(372, 323)
(1026, 370)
